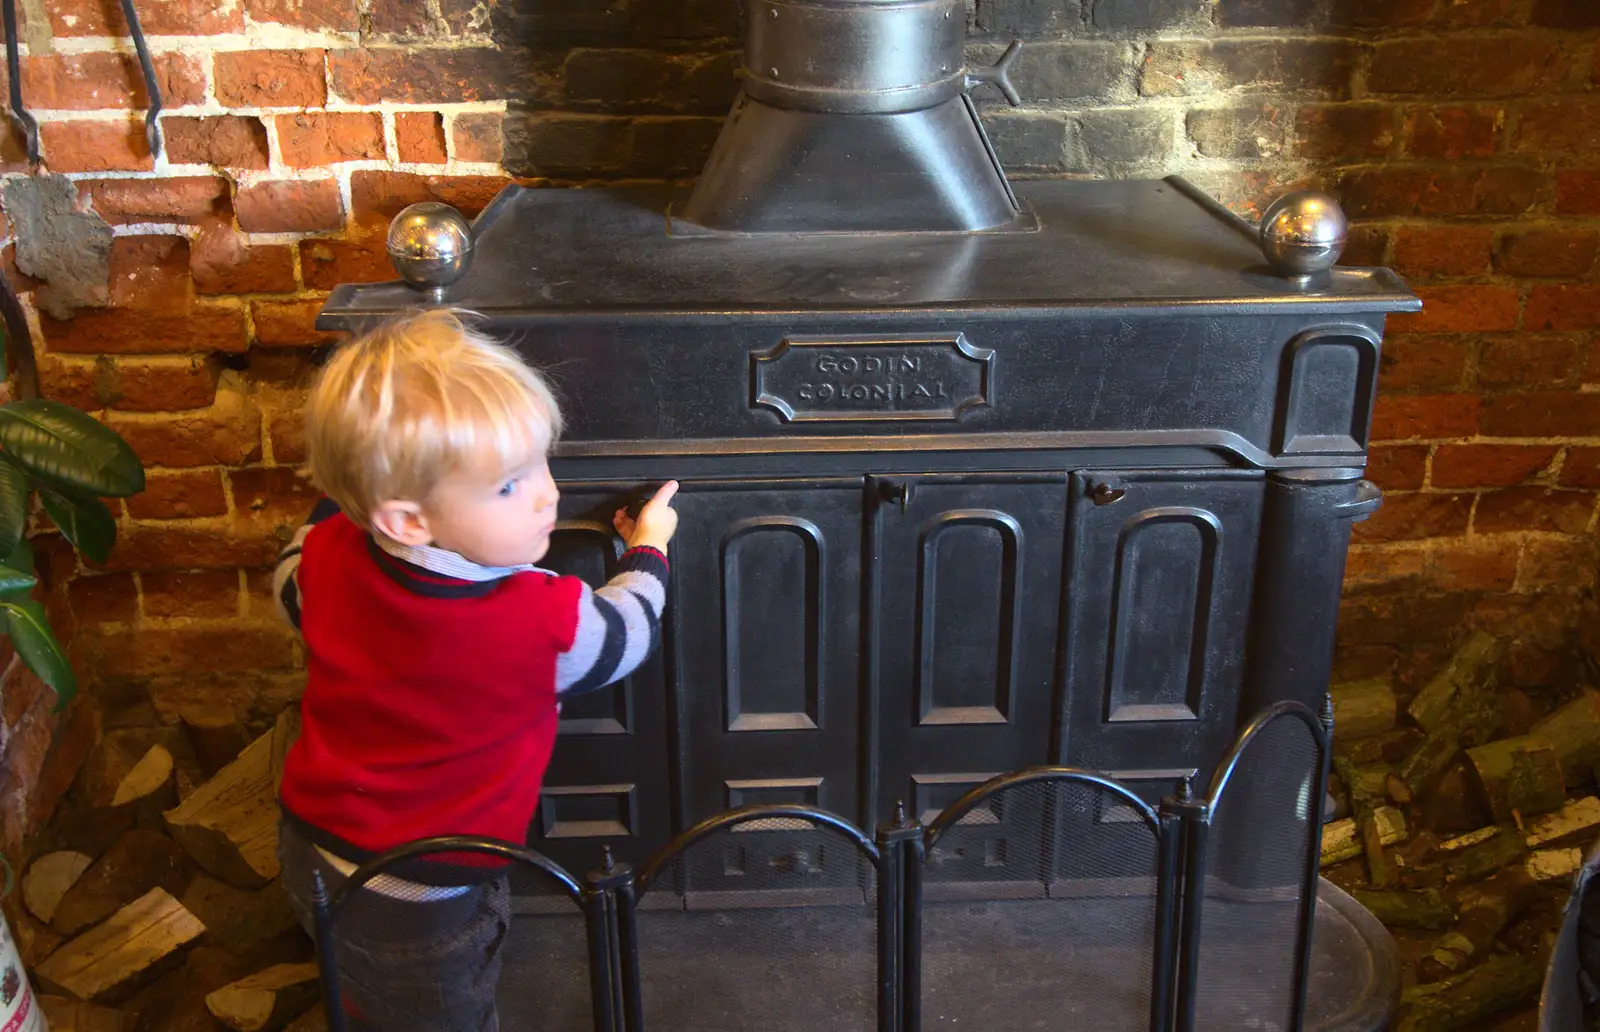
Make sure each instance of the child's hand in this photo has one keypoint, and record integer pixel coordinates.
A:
(656, 524)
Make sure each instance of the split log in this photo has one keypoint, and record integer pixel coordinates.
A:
(1554, 864)
(1365, 782)
(1399, 792)
(1362, 709)
(34, 939)
(284, 733)
(1453, 805)
(267, 1000)
(1574, 730)
(1492, 988)
(49, 878)
(1341, 840)
(239, 919)
(1575, 824)
(313, 1020)
(64, 1014)
(1465, 684)
(1485, 913)
(136, 863)
(1484, 859)
(1470, 839)
(1431, 756)
(216, 732)
(1425, 909)
(1391, 747)
(133, 946)
(150, 776)
(177, 1003)
(230, 824)
(1518, 776)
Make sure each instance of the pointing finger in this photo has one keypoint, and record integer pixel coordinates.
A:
(665, 493)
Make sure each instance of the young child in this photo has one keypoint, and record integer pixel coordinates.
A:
(437, 653)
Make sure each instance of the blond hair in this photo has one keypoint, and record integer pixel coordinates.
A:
(401, 407)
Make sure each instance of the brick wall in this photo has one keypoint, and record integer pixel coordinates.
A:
(1463, 136)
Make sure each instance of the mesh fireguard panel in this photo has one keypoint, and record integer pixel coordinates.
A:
(544, 978)
(1041, 904)
(1256, 863)
(758, 925)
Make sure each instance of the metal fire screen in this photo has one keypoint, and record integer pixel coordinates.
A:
(1033, 892)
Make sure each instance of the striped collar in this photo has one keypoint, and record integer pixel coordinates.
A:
(438, 572)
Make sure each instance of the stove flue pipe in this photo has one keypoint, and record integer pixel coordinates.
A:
(854, 116)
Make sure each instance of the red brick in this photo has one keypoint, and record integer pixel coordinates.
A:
(1566, 306)
(165, 547)
(1568, 127)
(1581, 468)
(71, 383)
(1397, 468)
(1383, 565)
(181, 494)
(313, 138)
(101, 81)
(202, 594)
(106, 598)
(278, 495)
(1542, 414)
(1399, 417)
(420, 137)
(83, 146)
(1472, 564)
(231, 141)
(156, 652)
(1461, 309)
(1489, 465)
(1450, 132)
(288, 433)
(290, 206)
(404, 76)
(150, 273)
(1344, 131)
(1557, 563)
(1528, 360)
(1485, 13)
(1367, 246)
(1470, 65)
(477, 136)
(1408, 517)
(156, 18)
(228, 433)
(1549, 251)
(335, 15)
(381, 194)
(1431, 361)
(186, 199)
(223, 263)
(1533, 508)
(271, 78)
(1578, 192)
(129, 332)
(161, 385)
(402, 17)
(324, 264)
(1452, 191)
(1186, 68)
(289, 323)
(1442, 250)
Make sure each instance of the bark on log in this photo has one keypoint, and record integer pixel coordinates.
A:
(1463, 684)
(1484, 914)
(1484, 859)
(267, 1000)
(49, 878)
(230, 824)
(1492, 988)
(217, 734)
(239, 919)
(1362, 709)
(1425, 909)
(1431, 756)
(1341, 840)
(1574, 730)
(136, 863)
(1518, 776)
(1453, 806)
(114, 958)
(284, 733)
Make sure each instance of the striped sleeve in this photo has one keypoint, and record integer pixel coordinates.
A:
(618, 625)
(286, 577)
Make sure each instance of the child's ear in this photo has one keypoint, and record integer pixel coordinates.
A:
(401, 522)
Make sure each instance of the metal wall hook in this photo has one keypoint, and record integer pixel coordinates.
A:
(30, 128)
(997, 75)
(152, 127)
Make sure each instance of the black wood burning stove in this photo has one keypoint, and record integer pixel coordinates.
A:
(973, 479)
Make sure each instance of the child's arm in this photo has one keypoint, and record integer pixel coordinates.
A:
(620, 624)
(286, 577)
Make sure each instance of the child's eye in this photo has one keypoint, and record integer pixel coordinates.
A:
(508, 488)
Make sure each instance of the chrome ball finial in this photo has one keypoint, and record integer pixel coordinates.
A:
(430, 245)
(1303, 234)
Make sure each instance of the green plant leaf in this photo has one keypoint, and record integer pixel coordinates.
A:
(15, 583)
(13, 504)
(68, 449)
(86, 522)
(37, 645)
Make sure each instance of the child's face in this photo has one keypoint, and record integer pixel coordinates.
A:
(495, 520)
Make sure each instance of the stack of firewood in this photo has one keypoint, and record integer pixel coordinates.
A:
(154, 904)
(1462, 817)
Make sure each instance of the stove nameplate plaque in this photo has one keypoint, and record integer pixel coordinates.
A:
(823, 379)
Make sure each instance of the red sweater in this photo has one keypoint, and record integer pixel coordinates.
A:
(431, 702)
